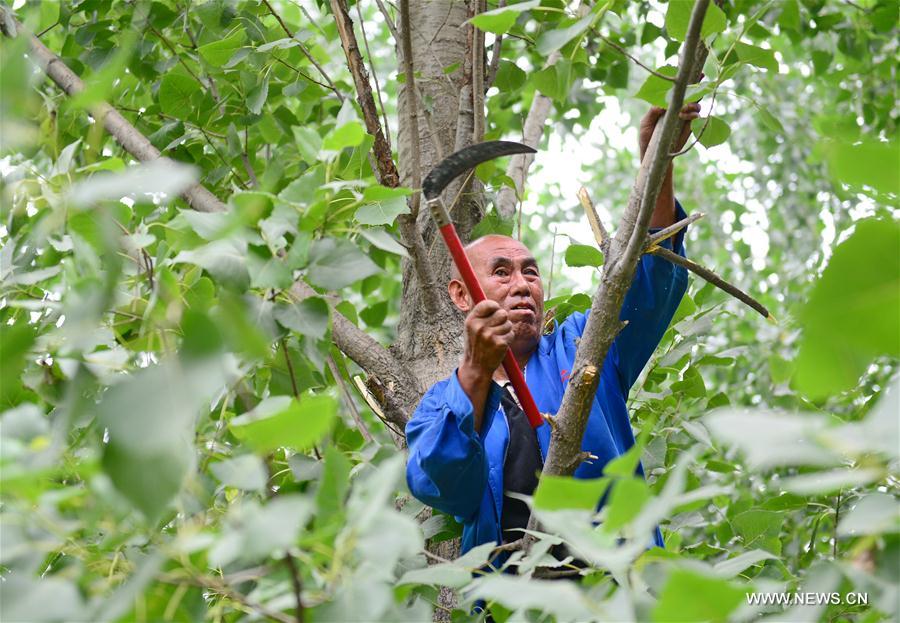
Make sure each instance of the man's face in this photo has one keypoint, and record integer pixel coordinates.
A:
(509, 275)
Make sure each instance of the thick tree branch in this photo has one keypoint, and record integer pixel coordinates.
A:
(412, 107)
(125, 134)
(565, 453)
(714, 279)
(402, 389)
(387, 170)
(532, 132)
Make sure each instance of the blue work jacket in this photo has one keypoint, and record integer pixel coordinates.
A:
(458, 470)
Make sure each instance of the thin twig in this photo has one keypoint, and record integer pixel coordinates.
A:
(714, 279)
(240, 181)
(389, 21)
(296, 584)
(47, 29)
(671, 230)
(247, 166)
(491, 73)
(837, 516)
(375, 407)
(212, 584)
(294, 389)
(303, 49)
(624, 52)
(177, 56)
(354, 412)
(300, 72)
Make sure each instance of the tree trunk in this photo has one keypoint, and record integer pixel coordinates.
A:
(430, 344)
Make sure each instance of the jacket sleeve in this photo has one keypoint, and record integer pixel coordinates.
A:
(447, 467)
(649, 306)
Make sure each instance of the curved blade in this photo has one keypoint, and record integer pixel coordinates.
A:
(467, 158)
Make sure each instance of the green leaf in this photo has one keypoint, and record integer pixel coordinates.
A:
(733, 566)
(175, 92)
(583, 255)
(756, 56)
(492, 223)
(875, 513)
(499, 21)
(350, 134)
(850, 316)
(761, 528)
(149, 419)
(242, 472)
(333, 485)
(374, 315)
(256, 99)
(220, 51)
(715, 133)
(557, 492)
(655, 90)
(268, 273)
(284, 422)
(336, 263)
(678, 17)
(382, 205)
(555, 81)
(691, 596)
(867, 163)
(15, 342)
(309, 317)
(821, 483)
(562, 600)
(552, 40)
(226, 260)
(254, 532)
(384, 241)
(627, 499)
(438, 575)
(770, 439)
(509, 77)
(308, 143)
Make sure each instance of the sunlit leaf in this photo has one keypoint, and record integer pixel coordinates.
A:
(501, 20)
(284, 422)
(850, 316)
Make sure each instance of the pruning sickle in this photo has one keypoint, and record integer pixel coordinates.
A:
(435, 182)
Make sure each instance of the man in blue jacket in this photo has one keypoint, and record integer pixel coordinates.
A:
(469, 441)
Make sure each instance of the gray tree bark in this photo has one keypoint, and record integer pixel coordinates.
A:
(430, 343)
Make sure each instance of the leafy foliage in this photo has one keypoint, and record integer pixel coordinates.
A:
(180, 436)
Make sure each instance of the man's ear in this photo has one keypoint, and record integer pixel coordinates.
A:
(459, 295)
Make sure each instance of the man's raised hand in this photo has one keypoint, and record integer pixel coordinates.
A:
(489, 333)
(649, 121)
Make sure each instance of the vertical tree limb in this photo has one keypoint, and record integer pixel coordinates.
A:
(565, 454)
(387, 170)
(532, 132)
(412, 106)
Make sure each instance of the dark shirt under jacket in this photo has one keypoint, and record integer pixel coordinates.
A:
(521, 469)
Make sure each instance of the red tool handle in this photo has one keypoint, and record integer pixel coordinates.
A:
(513, 372)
